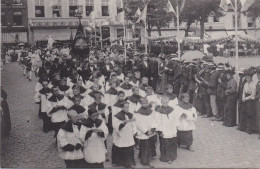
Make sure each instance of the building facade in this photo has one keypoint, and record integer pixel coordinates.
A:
(57, 18)
(14, 21)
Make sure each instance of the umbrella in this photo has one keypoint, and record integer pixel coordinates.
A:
(21, 44)
(190, 55)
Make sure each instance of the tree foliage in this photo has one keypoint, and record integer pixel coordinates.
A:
(157, 15)
(254, 10)
(198, 10)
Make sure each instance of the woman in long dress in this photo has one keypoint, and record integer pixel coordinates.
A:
(162, 79)
(248, 102)
(231, 98)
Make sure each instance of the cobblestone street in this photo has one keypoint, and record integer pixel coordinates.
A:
(28, 147)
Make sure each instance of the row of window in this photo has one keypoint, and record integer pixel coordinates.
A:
(17, 19)
(56, 11)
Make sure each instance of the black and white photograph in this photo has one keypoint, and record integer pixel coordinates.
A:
(130, 84)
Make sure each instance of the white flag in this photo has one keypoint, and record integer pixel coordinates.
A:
(224, 4)
(170, 8)
(247, 5)
(119, 18)
(138, 12)
(143, 15)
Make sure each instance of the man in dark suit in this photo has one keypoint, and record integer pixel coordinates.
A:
(56, 67)
(153, 71)
(107, 68)
(67, 70)
(143, 67)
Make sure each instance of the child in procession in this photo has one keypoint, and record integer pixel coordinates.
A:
(187, 121)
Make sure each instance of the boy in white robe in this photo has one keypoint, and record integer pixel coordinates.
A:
(134, 99)
(93, 133)
(146, 125)
(90, 98)
(111, 94)
(126, 87)
(168, 121)
(143, 86)
(64, 88)
(136, 80)
(69, 143)
(187, 121)
(173, 100)
(57, 109)
(124, 129)
(42, 97)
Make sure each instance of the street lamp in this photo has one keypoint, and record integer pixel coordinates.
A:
(79, 12)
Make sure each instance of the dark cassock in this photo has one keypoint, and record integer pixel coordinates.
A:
(5, 115)
(154, 73)
(144, 69)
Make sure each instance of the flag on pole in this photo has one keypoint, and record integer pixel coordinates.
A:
(142, 17)
(224, 4)
(182, 5)
(247, 5)
(170, 8)
(138, 12)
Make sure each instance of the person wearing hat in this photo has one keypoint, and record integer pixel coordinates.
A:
(221, 88)
(162, 77)
(124, 129)
(46, 70)
(144, 67)
(212, 89)
(257, 100)
(69, 143)
(153, 71)
(242, 116)
(231, 100)
(93, 134)
(248, 101)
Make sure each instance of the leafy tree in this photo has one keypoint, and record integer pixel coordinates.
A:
(254, 10)
(157, 15)
(199, 10)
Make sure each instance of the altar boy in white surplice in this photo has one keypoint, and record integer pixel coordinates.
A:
(93, 133)
(124, 129)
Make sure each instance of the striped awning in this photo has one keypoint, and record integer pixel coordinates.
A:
(14, 37)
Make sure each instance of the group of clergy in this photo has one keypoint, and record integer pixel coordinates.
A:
(84, 103)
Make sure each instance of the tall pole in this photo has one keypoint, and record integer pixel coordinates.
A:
(178, 31)
(91, 36)
(145, 36)
(101, 35)
(124, 40)
(236, 39)
(95, 35)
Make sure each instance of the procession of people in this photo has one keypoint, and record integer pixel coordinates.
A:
(142, 101)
